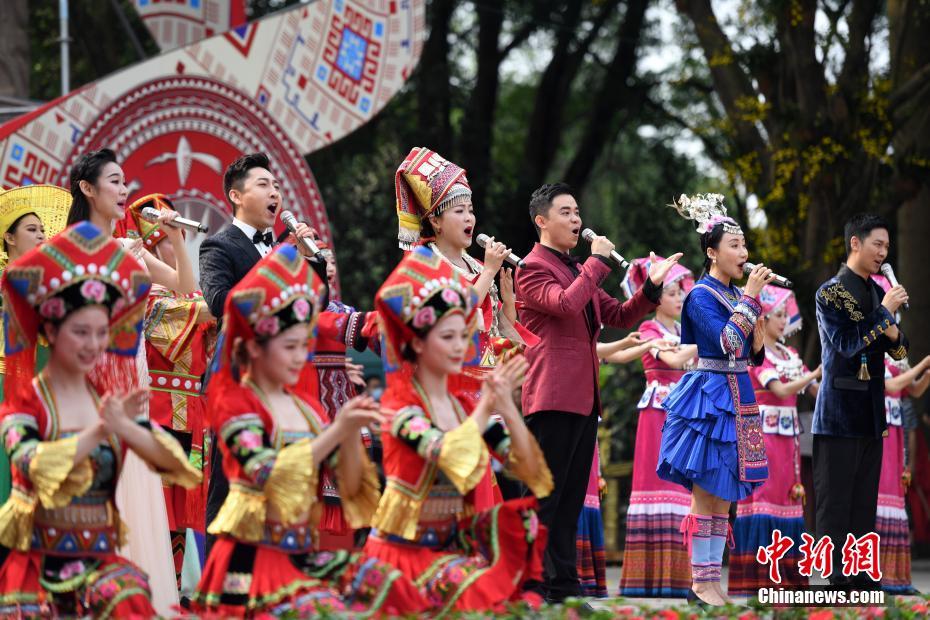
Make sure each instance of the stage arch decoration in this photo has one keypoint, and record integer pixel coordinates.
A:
(290, 83)
(178, 23)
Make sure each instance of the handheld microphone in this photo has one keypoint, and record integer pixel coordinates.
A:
(513, 259)
(888, 272)
(151, 214)
(588, 235)
(291, 222)
(779, 280)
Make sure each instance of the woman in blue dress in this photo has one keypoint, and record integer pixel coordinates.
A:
(712, 441)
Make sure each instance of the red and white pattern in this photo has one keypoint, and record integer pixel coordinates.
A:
(176, 23)
(288, 84)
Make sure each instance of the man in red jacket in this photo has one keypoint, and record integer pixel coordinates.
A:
(563, 304)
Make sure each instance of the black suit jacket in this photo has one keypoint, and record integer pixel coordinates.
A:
(225, 258)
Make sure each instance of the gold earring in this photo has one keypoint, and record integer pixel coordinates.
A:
(715, 261)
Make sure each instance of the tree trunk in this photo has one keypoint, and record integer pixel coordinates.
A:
(14, 49)
(433, 96)
(910, 54)
(612, 99)
(478, 124)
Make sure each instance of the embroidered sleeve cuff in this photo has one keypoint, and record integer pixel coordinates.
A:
(358, 509)
(531, 469)
(463, 456)
(749, 306)
(55, 476)
(182, 473)
(882, 320)
(17, 516)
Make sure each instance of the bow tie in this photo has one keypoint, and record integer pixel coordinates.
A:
(568, 259)
(266, 238)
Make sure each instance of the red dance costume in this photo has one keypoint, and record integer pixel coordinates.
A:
(426, 184)
(61, 523)
(264, 559)
(427, 524)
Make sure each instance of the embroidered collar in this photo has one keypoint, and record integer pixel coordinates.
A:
(731, 292)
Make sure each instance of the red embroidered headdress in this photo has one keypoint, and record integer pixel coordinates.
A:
(279, 292)
(426, 184)
(420, 291)
(638, 271)
(136, 225)
(77, 268)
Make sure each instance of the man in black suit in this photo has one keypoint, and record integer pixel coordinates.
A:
(226, 257)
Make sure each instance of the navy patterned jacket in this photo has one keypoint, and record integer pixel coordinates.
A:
(852, 324)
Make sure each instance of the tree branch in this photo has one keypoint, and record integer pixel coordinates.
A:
(730, 81)
(795, 31)
(907, 91)
(612, 97)
(433, 91)
(855, 70)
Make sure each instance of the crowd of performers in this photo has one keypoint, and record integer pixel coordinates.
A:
(150, 421)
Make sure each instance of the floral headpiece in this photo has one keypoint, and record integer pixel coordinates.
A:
(708, 211)
(774, 297)
(638, 271)
(419, 292)
(426, 184)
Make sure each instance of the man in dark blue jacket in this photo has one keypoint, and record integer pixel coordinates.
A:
(857, 325)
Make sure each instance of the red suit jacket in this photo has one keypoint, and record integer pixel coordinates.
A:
(563, 372)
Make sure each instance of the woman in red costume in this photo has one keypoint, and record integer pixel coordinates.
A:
(437, 446)
(179, 336)
(68, 439)
(274, 446)
(434, 209)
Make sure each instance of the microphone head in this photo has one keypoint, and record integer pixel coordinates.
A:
(482, 239)
(587, 234)
(887, 271)
(287, 216)
(150, 213)
(747, 267)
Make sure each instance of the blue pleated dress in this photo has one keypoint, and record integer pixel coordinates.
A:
(712, 435)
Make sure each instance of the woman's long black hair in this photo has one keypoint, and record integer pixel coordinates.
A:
(88, 167)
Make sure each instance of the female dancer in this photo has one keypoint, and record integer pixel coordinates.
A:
(445, 222)
(712, 439)
(180, 334)
(66, 438)
(654, 563)
(436, 449)
(591, 561)
(891, 521)
(99, 192)
(28, 216)
(274, 446)
(778, 503)
(435, 209)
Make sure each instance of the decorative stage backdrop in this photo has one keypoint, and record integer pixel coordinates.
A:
(176, 23)
(288, 84)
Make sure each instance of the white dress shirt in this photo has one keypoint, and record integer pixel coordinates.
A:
(263, 248)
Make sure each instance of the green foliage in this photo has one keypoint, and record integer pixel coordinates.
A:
(99, 44)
